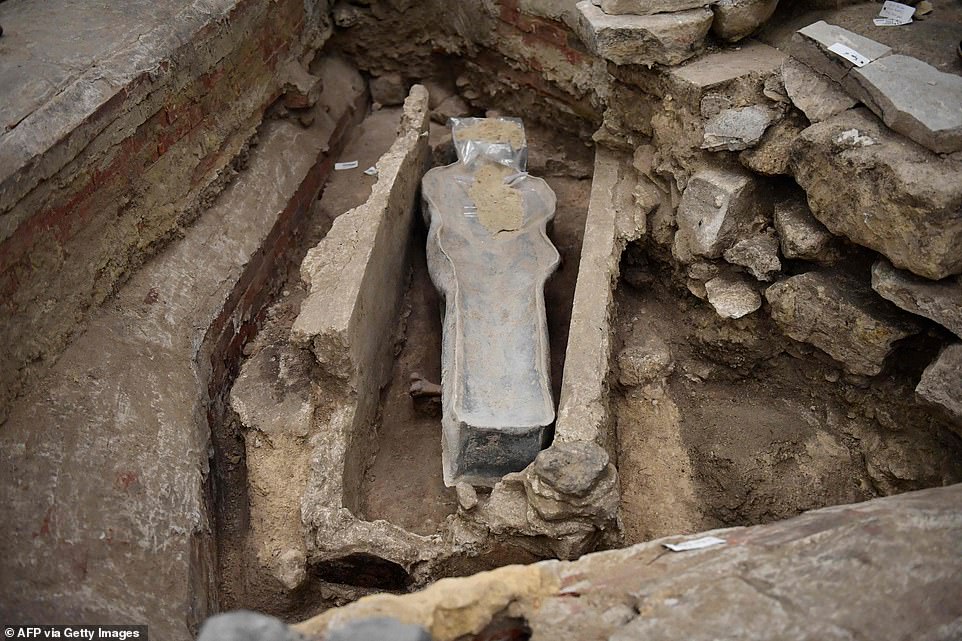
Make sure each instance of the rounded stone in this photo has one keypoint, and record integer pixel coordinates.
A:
(571, 468)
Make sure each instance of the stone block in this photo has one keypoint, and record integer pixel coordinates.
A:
(738, 19)
(941, 381)
(489, 256)
(646, 358)
(799, 232)
(771, 156)
(816, 95)
(810, 45)
(665, 38)
(737, 129)
(733, 295)
(883, 191)
(758, 254)
(388, 89)
(717, 208)
(840, 316)
(913, 98)
(648, 7)
(940, 301)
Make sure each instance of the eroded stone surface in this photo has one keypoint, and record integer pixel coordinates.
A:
(799, 232)
(647, 7)
(664, 38)
(890, 555)
(940, 301)
(645, 360)
(738, 19)
(883, 191)
(718, 207)
(758, 253)
(772, 155)
(737, 129)
(733, 295)
(816, 95)
(915, 99)
(489, 256)
(942, 381)
(841, 317)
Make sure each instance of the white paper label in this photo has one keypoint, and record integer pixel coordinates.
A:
(897, 11)
(341, 166)
(696, 544)
(888, 22)
(849, 54)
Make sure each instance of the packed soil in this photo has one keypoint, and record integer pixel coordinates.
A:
(750, 427)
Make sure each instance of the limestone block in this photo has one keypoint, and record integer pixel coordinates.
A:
(718, 207)
(737, 129)
(940, 301)
(810, 45)
(665, 38)
(738, 19)
(942, 381)
(841, 317)
(574, 479)
(733, 295)
(489, 256)
(772, 155)
(758, 253)
(648, 7)
(799, 232)
(913, 98)
(816, 95)
(883, 191)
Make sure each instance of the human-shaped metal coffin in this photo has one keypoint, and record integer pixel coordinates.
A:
(489, 256)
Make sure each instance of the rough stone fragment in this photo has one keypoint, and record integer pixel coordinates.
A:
(941, 381)
(940, 301)
(644, 360)
(346, 15)
(737, 129)
(737, 19)
(718, 207)
(730, 76)
(759, 254)
(841, 317)
(772, 155)
(816, 95)
(389, 89)
(883, 191)
(811, 43)
(799, 232)
(572, 479)
(648, 7)
(733, 295)
(665, 38)
(915, 99)
(491, 268)
(247, 626)
(301, 88)
(467, 497)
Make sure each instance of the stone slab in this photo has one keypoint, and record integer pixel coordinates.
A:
(496, 400)
(816, 95)
(882, 191)
(913, 98)
(812, 307)
(940, 301)
(887, 570)
(648, 7)
(811, 44)
(106, 462)
(665, 38)
(941, 381)
(737, 129)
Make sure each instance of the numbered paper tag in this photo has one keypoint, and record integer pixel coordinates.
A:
(696, 544)
(341, 166)
(849, 54)
(901, 13)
